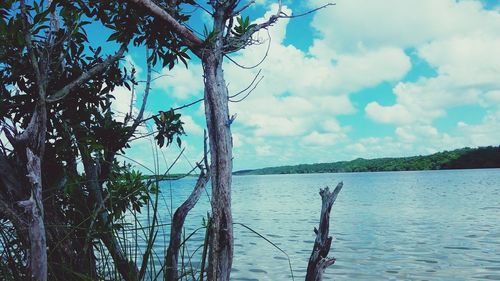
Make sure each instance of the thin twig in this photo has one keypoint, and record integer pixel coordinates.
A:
(248, 87)
(174, 109)
(260, 62)
(244, 7)
(249, 92)
(285, 16)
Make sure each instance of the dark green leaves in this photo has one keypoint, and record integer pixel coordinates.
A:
(210, 36)
(243, 26)
(169, 126)
(126, 190)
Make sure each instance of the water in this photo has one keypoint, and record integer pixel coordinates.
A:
(426, 225)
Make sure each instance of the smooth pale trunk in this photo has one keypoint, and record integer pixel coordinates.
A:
(217, 115)
(36, 230)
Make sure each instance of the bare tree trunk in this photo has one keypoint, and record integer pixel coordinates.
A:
(34, 208)
(171, 259)
(33, 138)
(319, 259)
(126, 269)
(218, 123)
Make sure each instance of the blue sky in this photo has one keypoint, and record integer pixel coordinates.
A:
(359, 79)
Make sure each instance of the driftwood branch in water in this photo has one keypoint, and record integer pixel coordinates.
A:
(319, 259)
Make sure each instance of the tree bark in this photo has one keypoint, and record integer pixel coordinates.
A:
(126, 269)
(319, 259)
(34, 206)
(219, 130)
(171, 259)
(33, 139)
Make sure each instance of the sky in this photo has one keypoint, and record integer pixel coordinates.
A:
(379, 78)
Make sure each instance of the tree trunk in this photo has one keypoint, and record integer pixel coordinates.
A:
(319, 259)
(34, 140)
(126, 269)
(171, 259)
(218, 123)
(36, 228)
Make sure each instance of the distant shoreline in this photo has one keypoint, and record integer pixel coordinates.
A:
(464, 158)
(371, 172)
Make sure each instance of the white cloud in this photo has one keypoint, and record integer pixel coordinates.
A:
(491, 98)
(190, 126)
(130, 63)
(263, 150)
(331, 126)
(301, 90)
(459, 44)
(121, 104)
(466, 70)
(413, 133)
(237, 140)
(469, 60)
(323, 139)
(353, 25)
(389, 114)
(361, 45)
(180, 82)
(268, 125)
(483, 134)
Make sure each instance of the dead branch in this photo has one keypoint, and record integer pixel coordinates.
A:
(185, 34)
(171, 259)
(319, 259)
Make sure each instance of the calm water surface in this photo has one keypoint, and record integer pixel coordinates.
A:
(428, 225)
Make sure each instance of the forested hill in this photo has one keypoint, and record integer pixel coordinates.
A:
(465, 158)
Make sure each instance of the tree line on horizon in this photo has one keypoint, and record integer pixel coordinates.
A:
(464, 158)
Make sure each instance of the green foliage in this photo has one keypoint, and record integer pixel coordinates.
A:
(126, 190)
(210, 36)
(243, 26)
(465, 158)
(169, 126)
(81, 124)
(131, 24)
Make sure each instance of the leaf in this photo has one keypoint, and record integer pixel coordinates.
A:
(127, 86)
(161, 140)
(40, 16)
(114, 36)
(179, 142)
(163, 118)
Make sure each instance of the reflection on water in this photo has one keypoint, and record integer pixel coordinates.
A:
(431, 225)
